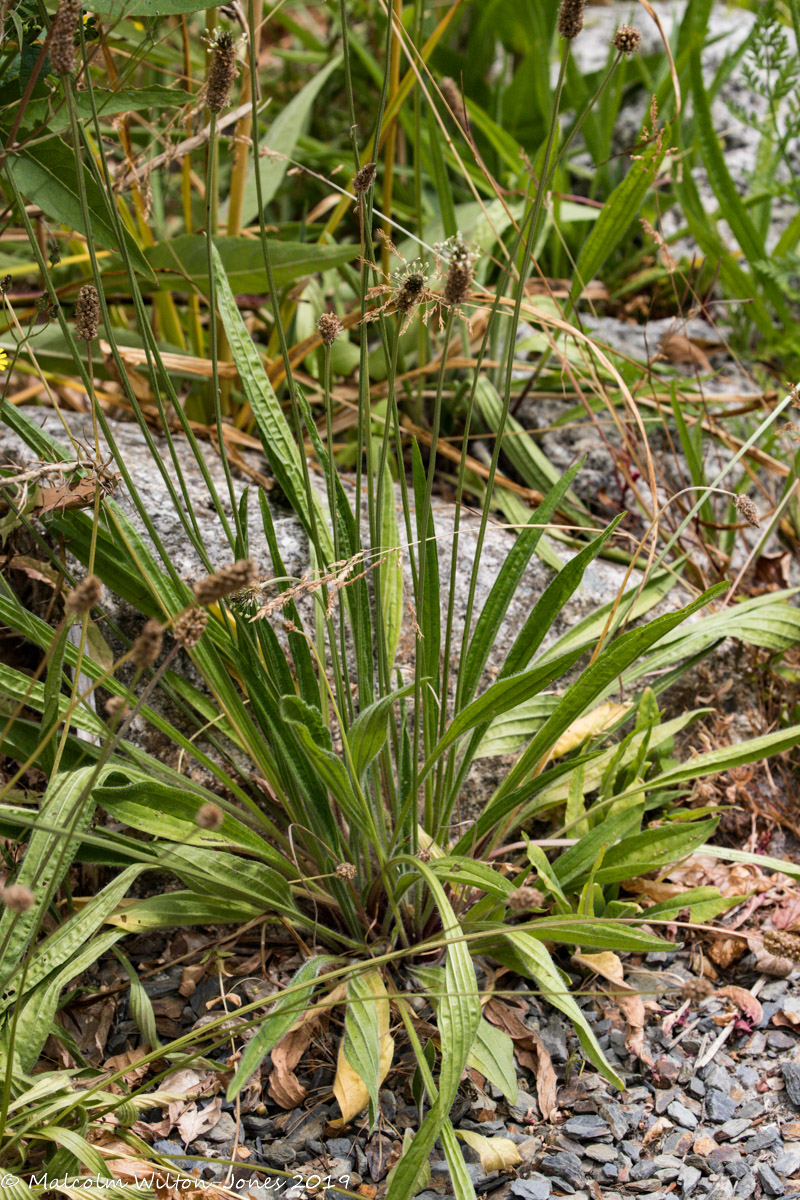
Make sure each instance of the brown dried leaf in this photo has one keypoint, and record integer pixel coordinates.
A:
(745, 1001)
(530, 1051)
(656, 1130)
(194, 1122)
(726, 950)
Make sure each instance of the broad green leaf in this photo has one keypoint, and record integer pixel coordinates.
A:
(609, 665)
(183, 908)
(181, 263)
(289, 1007)
(492, 1054)
(139, 1003)
(650, 850)
(703, 903)
(367, 1047)
(115, 10)
(618, 212)
(45, 174)
(731, 203)
(110, 103)
(277, 439)
(391, 575)
(511, 730)
(369, 731)
(532, 958)
(311, 733)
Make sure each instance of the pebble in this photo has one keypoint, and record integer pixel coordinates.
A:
(791, 1077)
(587, 1126)
(734, 1128)
(224, 1130)
(722, 1190)
(565, 1165)
(632, 1149)
(680, 1113)
(788, 1163)
(525, 1102)
(537, 1187)
(745, 1186)
(610, 1171)
(719, 1106)
(688, 1179)
(717, 1077)
(697, 1087)
(600, 1152)
(176, 1151)
(770, 1136)
(616, 1117)
(644, 1169)
(778, 1040)
(769, 1181)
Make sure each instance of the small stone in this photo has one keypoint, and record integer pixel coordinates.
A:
(719, 1106)
(696, 1087)
(339, 1147)
(769, 1136)
(678, 1142)
(601, 1153)
(778, 1040)
(732, 1129)
(525, 1102)
(632, 1150)
(617, 1120)
(769, 1181)
(722, 1190)
(756, 1044)
(717, 1077)
(563, 1165)
(788, 1163)
(537, 1187)
(745, 1186)
(680, 1113)
(586, 1126)
(736, 1170)
(644, 1169)
(610, 1171)
(224, 1130)
(791, 1077)
(747, 1075)
(688, 1179)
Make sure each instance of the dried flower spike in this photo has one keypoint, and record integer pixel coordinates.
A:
(190, 627)
(116, 708)
(329, 327)
(411, 286)
(147, 646)
(459, 260)
(209, 816)
(17, 897)
(570, 18)
(627, 39)
(365, 178)
(62, 37)
(454, 100)
(745, 506)
(697, 989)
(783, 944)
(87, 313)
(524, 898)
(83, 598)
(346, 870)
(222, 73)
(225, 582)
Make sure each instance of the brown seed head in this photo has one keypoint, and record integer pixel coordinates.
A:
(570, 18)
(222, 73)
(452, 95)
(524, 898)
(346, 870)
(87, 313)
(365, 178)
(460, 262)
(147, 646)
(329, 327)
(83, 598)
(225, 581)
(745, 506)
(5, 284)
(627, 39)
(17, 897)
(783, 944)
(697, 990)
(190, 627)
(62, 37)
(410, 288)
(116, 708)
(208, 816)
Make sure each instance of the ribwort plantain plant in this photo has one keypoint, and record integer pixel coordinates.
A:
(337, 717)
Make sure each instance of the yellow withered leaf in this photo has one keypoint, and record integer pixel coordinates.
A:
(496, 1154)
(368, 1020)
(592, 722)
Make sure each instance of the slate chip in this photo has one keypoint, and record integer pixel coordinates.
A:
(587, 1127)
(537, 1187)
(719, 1106)
(791, 1077)
(769, 1180)
(680, 1113)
